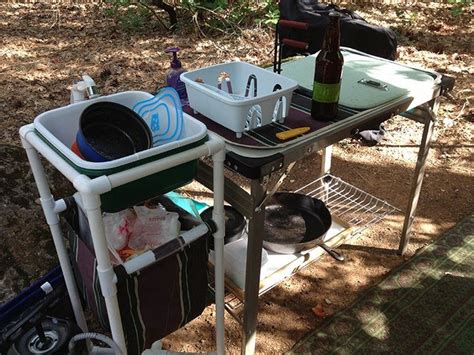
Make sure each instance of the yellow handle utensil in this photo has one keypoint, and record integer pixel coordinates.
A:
(292, 133)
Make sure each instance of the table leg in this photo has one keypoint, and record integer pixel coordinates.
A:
(105, 272)
(48, 203)
(326, 160)
(429, 116)
(218, 215)
(252, 277)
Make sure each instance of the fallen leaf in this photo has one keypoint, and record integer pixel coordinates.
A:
(318, 311)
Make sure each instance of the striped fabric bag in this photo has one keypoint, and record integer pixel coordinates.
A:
(154, 301)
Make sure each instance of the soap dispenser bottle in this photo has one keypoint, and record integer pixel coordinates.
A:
(173, 73)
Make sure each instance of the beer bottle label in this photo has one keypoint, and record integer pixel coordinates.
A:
(326, 93)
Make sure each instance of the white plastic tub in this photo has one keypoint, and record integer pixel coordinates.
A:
(236, 110)
(235, 258)
(59, 127)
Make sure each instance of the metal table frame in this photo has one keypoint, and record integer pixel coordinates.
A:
(421, 108)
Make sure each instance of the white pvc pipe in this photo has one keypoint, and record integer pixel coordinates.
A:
(90, 191)
(139, 262)
(28, 135)
(60, 206)
(218, 216)
(147, 258)
(114, 349)
(194, 233)
(105, 272)
(48, 205)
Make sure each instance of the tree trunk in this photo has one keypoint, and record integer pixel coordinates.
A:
(169, 9)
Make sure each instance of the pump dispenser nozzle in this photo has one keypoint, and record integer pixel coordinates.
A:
(173, 75)
(175, 62)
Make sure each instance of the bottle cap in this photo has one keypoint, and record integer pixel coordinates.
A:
(175, 62)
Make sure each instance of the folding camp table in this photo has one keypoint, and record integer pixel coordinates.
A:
(256, 160)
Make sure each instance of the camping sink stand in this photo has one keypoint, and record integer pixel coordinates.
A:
(90, 191)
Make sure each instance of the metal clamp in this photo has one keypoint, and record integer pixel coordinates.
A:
(275, 187)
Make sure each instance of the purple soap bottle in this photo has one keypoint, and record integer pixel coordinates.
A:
(173, 73)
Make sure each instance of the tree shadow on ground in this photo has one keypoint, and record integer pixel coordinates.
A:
(425, 306)
(329, 279)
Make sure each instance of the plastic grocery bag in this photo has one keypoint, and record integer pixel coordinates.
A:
(153, 227)
(118, 228)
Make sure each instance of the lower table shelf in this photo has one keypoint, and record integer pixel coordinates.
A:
(350, 204)
(352, 211)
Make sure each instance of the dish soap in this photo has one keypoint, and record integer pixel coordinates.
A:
(173, 73)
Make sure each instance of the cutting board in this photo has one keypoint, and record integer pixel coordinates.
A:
(367, 82)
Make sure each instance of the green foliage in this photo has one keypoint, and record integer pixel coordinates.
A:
(130, 15)
(407, 17)
(458, 9)
(227, 17)
(195, 5)
(240, 13)
(459, 6)
(271, 13)
(209, 15)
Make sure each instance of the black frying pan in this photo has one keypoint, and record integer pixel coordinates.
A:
(296, 222)
(234, 224)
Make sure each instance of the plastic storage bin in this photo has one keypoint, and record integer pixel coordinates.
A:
(58, 129)
(235, 256)
(240, 108)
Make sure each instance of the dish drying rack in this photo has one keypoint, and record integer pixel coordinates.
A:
(238, 95)
(351, 208)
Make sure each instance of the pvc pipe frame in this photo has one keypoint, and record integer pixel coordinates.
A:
(90, 191)
(52, 219)
(148, 257)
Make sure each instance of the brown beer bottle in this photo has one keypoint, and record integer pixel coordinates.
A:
(327, 74)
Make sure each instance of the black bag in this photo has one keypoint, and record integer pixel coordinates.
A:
(356, 32)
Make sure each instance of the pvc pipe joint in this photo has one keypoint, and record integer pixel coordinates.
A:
(214, 146)
(49, 206)
(60, 206)
(96, 186)
(23, 132)
(107, 279)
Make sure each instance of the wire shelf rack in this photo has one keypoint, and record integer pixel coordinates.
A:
(232, 304)
(351, 204)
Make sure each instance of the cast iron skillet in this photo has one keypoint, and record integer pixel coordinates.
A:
(296, 222)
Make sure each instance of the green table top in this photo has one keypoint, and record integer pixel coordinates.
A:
(397, 80)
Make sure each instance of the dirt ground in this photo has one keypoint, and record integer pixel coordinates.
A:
(43, 48)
